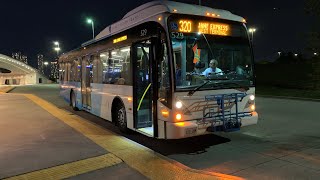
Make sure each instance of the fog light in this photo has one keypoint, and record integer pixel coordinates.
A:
(180, 124)
(178, 117)
(252, 107)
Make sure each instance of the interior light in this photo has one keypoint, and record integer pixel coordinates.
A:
(103, 55)
(125, 50)
(244, 20)
(179, 104)
(252, 97)
(208, 14)
(174, 10)
(213, 15)
(130, 99)
(159, 18)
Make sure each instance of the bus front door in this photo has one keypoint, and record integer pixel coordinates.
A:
(143, 87)
(86, 78)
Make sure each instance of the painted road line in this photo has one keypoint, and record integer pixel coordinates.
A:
(71, 169)
(147, 162)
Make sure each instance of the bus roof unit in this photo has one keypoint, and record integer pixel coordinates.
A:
(145, 11)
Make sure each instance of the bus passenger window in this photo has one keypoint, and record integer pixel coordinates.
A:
(104, 58)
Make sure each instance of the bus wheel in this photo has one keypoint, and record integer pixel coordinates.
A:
(73, 101)
(122, 118)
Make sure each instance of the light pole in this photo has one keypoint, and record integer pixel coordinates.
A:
(57, 48)
(279, 52)
(252, 30)
(45, 67)
(91, 21)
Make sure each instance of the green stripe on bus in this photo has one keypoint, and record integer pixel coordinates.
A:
(143, 96)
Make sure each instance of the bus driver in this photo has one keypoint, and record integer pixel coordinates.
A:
(212, 69)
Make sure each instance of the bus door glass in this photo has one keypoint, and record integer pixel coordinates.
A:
(143, 87)
(86, 81)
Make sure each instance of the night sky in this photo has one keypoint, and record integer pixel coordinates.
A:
(31, 26)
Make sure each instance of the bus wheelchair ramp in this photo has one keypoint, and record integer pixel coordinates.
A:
(225, 116)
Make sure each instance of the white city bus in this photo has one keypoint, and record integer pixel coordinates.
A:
(140, 73)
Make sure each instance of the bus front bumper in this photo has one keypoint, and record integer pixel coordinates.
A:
(186, 129)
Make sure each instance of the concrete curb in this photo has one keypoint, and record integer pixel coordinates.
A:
(289, 97)
(7, 89)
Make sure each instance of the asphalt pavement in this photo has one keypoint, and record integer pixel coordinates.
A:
(285, 144)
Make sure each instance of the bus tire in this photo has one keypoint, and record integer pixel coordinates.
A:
(121, 118)
(73, 101)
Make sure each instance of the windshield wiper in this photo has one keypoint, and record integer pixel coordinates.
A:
(191, 92)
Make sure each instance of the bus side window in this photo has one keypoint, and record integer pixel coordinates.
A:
(97, 69)
(125, 71)
(104, 58)
(61, 71)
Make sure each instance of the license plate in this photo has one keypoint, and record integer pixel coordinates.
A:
(191, 131)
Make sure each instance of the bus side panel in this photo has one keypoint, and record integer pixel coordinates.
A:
(65, 89)
(77, 91)
(102, 96)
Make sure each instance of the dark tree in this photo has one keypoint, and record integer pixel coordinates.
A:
(312, 8)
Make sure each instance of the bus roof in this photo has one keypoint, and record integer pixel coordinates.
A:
(145, 11)
(148, 10)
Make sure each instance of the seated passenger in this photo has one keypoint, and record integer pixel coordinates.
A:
(197, 68)
(212, 69)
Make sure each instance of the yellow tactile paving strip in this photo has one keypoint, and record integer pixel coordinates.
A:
(71, 169)
(140, 158)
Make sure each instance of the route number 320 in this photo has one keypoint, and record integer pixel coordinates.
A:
(185, 26)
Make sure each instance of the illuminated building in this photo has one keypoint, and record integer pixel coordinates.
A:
(20, 57)
(40, 63)
(54, 71)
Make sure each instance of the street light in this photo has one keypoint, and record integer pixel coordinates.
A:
(279, 52)
(91, 21)
(57, 48)
(45, 69)
(252, 30)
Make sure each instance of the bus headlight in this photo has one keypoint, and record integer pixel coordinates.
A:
(252, 97)
(179, 104)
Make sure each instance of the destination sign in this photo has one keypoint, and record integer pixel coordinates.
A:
(205, 27)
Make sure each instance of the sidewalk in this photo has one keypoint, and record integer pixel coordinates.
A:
(39, 140)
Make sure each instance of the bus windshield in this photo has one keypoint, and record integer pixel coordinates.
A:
(206, 50)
